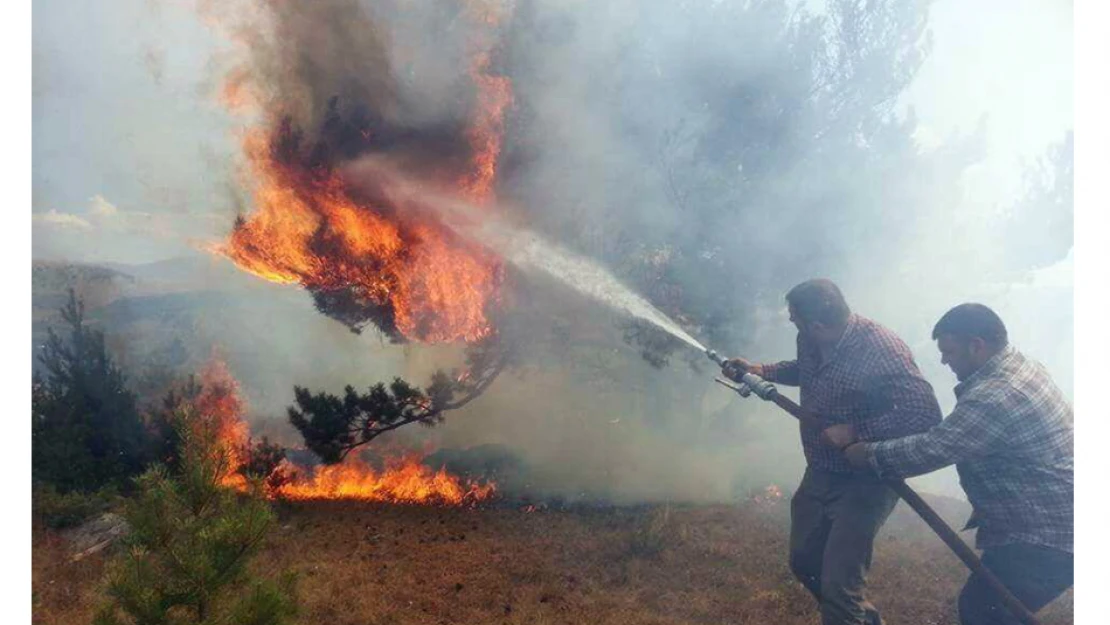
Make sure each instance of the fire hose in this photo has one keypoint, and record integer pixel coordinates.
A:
(751, 384)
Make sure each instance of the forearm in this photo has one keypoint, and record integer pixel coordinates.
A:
(907, 457)
(969, 431)
(785, 372)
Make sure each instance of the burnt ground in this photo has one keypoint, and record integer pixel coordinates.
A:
(369, 564)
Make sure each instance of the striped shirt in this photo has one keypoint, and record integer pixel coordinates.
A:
(870, 381)
(1011, 439)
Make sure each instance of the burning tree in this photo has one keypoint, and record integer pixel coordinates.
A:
(211, 403)
(210, 406)
(321, 221)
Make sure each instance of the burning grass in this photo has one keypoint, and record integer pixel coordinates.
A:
(362, 563)
(403, 480)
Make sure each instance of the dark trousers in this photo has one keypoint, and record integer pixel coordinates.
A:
(1036, 575)
(834, 518)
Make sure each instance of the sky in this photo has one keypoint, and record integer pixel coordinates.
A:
(129, 150)
(1008, 63)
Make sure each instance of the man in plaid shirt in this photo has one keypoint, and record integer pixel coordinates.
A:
(860, 379)
(1011, 439)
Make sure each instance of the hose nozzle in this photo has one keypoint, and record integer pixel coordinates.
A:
(762, 388)
(748, 383)
(715, 357)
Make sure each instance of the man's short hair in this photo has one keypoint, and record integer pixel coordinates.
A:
(968, 321)
(819, 301)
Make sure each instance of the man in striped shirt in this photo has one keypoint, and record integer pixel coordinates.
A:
(860, 379)
(1011, 439)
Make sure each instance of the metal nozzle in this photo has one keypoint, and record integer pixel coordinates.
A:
(762, 388)
(715, 357)
(743, 389)
(748, 384)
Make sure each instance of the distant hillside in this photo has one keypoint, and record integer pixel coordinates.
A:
(58, 276)
(201, 272)
(164, 319)
(96, 284)
(151, 314)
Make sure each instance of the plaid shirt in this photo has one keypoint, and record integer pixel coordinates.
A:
(1011, 439)
(869, 381)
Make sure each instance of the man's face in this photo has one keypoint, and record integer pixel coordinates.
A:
(816, 332)
(797, 321)
(959, 355)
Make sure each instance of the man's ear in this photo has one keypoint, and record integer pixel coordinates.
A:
(976, 345)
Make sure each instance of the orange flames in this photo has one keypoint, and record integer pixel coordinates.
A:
(768, 495)
(216, 410)
(436, 286)
(495, 94)
(403, 480)
(308, 227)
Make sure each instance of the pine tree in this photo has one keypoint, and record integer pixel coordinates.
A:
(334, 426)
(191, 541)
(86, 429)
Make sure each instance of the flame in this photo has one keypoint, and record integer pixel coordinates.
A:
(403, 480)
(768, 495)
(217, 409)
(309, 228)
(495, 94)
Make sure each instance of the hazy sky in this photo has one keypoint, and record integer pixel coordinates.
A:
(131, 153)
(1008, 60)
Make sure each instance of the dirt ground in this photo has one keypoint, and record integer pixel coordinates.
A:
(369, 564)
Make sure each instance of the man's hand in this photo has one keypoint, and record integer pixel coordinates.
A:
(735, 368)
(839, 436)
(856, 453)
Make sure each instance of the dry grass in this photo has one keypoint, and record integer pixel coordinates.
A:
(62, 591)
(381, 565)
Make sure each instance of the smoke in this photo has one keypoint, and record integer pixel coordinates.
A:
(351, 77)
(710, 155)
(304, 55)
(714, 157)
